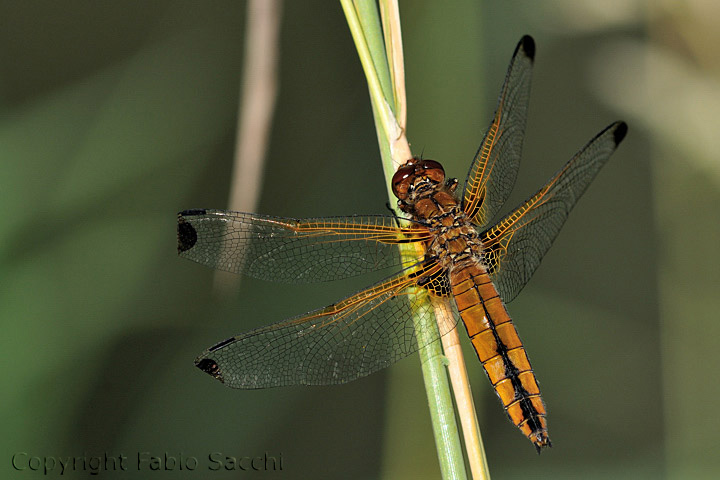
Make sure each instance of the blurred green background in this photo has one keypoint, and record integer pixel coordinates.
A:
(116, 115)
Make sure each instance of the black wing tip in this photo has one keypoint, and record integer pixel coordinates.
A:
(528, 46)
(186, 234)
(209, 366)
(620, 131)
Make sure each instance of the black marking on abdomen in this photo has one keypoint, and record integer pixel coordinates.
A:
(511, 371)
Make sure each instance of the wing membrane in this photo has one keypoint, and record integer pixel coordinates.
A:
(292, 250)
(515, 246)
(352, 338)
(493, 172)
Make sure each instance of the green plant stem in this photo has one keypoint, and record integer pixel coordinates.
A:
(364, 22)
(372, 32)
(385, 124)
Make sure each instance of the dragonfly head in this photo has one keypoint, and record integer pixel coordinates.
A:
(416, 179)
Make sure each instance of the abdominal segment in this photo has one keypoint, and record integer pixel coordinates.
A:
(500, 350)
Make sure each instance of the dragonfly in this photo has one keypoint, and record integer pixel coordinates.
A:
(475, 265)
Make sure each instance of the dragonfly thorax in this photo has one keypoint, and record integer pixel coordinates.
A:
(426, 196)
(456, 242)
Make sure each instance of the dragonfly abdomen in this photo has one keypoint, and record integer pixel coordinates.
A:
(500, 350)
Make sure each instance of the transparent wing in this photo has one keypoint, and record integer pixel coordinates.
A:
(292, 250)
(352, 338)
(493, 172)
(515, 246)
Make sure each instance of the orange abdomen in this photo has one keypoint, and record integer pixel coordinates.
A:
(500, 350)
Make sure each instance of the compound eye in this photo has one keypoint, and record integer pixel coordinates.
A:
(433, 170)
(402, 180)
